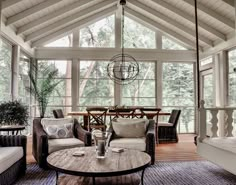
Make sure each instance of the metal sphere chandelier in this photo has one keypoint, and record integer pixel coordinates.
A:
(123, 68)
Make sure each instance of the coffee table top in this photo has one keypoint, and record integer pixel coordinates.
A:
(114, 164)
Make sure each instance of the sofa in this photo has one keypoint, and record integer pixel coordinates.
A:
(137, 134)
(43, 144)
(12, 158)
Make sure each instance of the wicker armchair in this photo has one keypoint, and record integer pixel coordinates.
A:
(41, 141)
(149, 140)
(167, 131)
(18, 168)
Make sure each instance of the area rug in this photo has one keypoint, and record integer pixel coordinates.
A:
(162, 173)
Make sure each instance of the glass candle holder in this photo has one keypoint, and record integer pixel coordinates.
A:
(101, 144)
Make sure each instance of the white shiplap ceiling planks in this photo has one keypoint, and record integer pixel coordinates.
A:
(38, 20)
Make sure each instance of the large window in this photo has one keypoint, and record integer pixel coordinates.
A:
(137, 35)
(99, 34)
(95, 88)
(178, 93)
(5, 70)
(142, 91)
(61, 96)
(208, 90)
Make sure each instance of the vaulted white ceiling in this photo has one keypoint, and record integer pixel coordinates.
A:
(38, 21)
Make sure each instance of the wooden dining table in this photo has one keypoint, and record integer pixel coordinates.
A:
(84, 114)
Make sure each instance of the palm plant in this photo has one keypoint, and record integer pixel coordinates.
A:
(42, 84)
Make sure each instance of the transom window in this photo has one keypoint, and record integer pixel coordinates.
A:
(62, 42)
(99, 34)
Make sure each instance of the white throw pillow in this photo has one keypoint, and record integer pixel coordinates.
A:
(58, 128)
(130, 128)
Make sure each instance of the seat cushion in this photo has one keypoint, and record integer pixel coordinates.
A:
(130, 128)
(59, 144)
(129, 143)
(165, 124)
(9, 156)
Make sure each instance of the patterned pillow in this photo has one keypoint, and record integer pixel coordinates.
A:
(59, 131)
(58, 128)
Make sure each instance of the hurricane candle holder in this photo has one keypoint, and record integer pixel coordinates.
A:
(101, 144)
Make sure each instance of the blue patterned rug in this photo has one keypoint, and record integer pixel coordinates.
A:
(162, 173)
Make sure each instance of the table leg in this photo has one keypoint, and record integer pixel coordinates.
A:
(142, 176)
(56, 177)
(94, 181)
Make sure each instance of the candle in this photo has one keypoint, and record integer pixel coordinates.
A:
(101, 148)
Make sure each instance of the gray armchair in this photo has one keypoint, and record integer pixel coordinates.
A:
(43, 146)
(13, 158)
(146, 143)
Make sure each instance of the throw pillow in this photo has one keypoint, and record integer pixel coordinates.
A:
(59, 131)
(130, 128)
(58, 128)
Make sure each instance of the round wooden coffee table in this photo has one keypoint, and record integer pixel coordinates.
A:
(115, 164)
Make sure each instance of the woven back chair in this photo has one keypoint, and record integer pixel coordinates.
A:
(97, 118)
(144, 113)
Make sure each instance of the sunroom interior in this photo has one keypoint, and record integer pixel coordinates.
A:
(79, 37)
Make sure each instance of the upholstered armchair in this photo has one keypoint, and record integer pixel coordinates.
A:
(12, 158)
(137, 134)
(44, 143)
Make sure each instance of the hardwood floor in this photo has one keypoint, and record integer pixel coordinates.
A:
(184, 150)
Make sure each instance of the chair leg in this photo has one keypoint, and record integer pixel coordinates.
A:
(156, 133)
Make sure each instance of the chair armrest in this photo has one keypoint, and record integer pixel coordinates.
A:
(40, 143)
(150, 140)
(82, 134)
(16, 140)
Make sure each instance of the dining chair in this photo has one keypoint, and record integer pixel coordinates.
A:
(58, 113)
(144, 113)
(167, 131)
(124, 113)
(96, 118)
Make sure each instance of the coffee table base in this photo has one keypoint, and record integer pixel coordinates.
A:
(131, 179)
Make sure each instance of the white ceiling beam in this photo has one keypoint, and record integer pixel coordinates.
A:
(229, 2)
(8, 3)
(170, 21)
(156, 25)
(69, 28)
(70, 19)
(31, 11)
(212, 13)
(191, 19)
(77, 5)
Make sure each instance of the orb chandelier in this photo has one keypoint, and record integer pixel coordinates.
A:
(123, 68)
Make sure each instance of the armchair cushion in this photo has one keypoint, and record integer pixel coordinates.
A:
(58, 128)
(9, 156)
(129, 143)
(130, 128)
(59, 144)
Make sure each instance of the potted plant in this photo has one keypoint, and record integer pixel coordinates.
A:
(13, 113)
(42, 83)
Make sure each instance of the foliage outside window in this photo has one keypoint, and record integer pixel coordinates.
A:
(137, 35)
(169, 44)
(178, 93)
(232, 84)
(23, 80)
(62, 42)
(99, 34)
(61, 96)
(5, 70)
(206, 61)
(95, 88)
(142, 91)
(208, 88)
